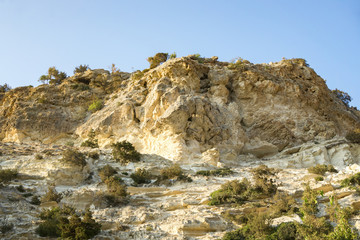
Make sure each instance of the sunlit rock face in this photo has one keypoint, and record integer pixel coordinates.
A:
(183, 108)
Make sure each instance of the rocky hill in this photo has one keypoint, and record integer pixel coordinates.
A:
(197, 112)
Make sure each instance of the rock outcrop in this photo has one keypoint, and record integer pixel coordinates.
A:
(183, 108)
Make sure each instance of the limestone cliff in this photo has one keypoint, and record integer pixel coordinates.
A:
(184, 108)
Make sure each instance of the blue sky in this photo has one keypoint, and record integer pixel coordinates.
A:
(38, 34)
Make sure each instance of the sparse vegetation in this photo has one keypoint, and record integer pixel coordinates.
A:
(172, 56)
(343, 96)
(6, 175)
(125, 152)
(157, 59)
(238, 64)
(217, 172)
(54, 77)
(74, 157)
(51, 195)
(321, 169)
(67, 224)
(96, 106)
(141, 176)
(197, 57)
(91, 142)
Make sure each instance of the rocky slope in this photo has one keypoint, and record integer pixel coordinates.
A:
(200, 113)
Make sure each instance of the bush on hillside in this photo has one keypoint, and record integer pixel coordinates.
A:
(81, 68)
(321, 169)
(67, 224)
(51, 195)
(125, 152)
(91, 142)
(4, 88)
(96, 106)
(353, 136)
(157, 59)
(106, 172)
(141, 176)
(53, 77)
(6, 175)
(343, 96)
(74, 157)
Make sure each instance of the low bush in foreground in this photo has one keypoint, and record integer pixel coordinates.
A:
(67, 224)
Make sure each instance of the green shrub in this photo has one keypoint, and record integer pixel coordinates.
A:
(53, 77)
(116, 191)
(67, 224)
(353, 136)
(232, 192)
(96, 106)
(51, 195)
(7, 175)
(321, 169)
(106, 172)
(74, 157)
(141, 176)
(217, 172)
(125, 152)
(319, 178)
(81, 68)
(352, 181)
